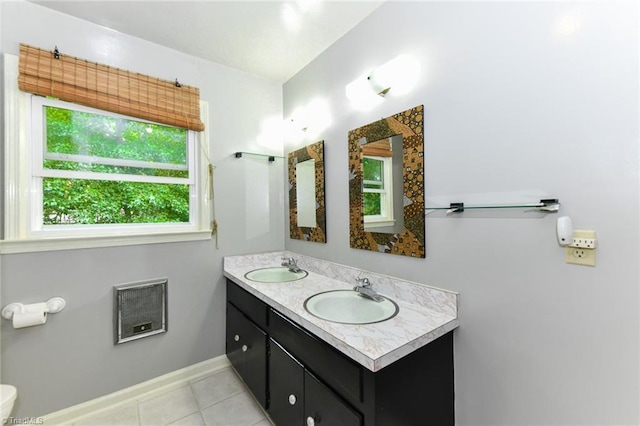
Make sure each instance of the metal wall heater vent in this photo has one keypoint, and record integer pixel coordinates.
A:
(140, 309)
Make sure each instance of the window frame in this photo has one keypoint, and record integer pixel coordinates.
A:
(22, 188)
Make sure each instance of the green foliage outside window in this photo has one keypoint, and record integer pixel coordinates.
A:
(371, 203)
(79, 201)
(372, 172)
(88, 201)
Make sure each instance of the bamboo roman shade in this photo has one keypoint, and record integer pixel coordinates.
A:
(381, 148)
(111, 89)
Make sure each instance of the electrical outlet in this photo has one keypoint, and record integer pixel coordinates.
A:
(580, 242)
(583, 249)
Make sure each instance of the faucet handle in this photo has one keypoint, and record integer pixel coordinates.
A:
(364, 282)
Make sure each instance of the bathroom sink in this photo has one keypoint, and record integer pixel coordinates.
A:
(276, 274)
(349, 307)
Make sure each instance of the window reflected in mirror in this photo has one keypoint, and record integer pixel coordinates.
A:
(306, 193)
(386, 185)
(381, 179)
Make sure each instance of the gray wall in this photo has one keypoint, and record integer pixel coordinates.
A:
(72, 359)
(515, 109)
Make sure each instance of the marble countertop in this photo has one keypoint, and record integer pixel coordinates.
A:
(425, 312)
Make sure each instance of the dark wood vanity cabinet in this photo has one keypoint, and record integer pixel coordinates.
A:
(301, 380)
(298, 398)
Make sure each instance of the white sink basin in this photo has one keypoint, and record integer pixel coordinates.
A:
(349, 307)
(276, 274)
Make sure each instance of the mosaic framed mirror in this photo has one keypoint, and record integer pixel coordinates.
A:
(307, 216)
(386, 185)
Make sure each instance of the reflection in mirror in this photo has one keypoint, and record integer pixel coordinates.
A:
(386, 185)
(306, 193)
(382, 185)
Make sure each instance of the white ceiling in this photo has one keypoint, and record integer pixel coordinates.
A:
(270, 39)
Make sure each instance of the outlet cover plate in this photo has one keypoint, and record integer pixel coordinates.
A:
(581, 255)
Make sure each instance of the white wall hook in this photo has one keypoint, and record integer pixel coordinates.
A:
(10, 309)
(56, 304)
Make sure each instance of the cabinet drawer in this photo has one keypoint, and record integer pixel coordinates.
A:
(250, 305)
(338, 371)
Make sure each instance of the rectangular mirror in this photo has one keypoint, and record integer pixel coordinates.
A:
(386, 185)
(306, 193)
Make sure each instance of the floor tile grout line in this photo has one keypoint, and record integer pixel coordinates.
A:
(195, 412)
(242, 392)
(164, 394)
(138, 415)
(243, 385)
(228, 396)
(195, 399)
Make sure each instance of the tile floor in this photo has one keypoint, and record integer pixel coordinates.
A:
(220, 399)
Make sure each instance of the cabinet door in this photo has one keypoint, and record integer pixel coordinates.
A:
(286, 387)
(247, 352)
(322, 407)
(234, 331)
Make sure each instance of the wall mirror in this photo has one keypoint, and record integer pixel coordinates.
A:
(306, 193)
(386, 185)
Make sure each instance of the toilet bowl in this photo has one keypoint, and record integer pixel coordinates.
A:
(8, 395)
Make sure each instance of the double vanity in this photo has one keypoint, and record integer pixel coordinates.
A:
(321, 343)
(314, 347)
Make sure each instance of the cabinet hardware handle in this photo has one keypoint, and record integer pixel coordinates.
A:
(244, 348)
(236, 338)
(310, 421)
(292, 399)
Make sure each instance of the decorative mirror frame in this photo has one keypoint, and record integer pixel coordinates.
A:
(314, 151)
(411, 241)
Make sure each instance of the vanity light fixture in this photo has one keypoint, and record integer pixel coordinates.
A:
(296, 125)
(361, 93)
(309, 120)
(399, 74)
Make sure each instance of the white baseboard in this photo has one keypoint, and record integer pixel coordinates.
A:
(141, 391)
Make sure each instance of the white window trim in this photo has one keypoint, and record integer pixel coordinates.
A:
(18, 163)
(386, 218)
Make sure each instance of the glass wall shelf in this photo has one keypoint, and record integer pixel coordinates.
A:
(270, 157)
(547, 205)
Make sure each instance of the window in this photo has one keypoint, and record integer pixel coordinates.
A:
(377, 196)
(82, 173)
(93, 168)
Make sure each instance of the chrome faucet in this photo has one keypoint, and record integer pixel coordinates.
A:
(364, 289)
(290, 263)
